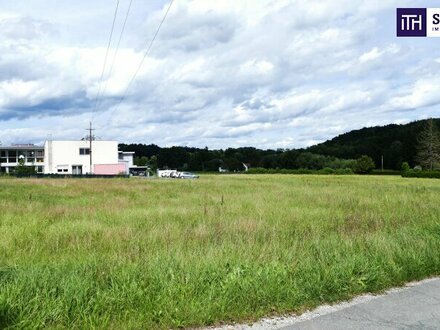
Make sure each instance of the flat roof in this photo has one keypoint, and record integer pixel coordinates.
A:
(30, 146)
(81, 140)
(21, 147)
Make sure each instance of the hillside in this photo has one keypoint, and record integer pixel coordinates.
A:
(396, 143)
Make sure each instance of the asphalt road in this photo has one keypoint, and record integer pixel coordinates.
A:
(414, 307)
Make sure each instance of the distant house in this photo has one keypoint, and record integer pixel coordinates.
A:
(68, 157)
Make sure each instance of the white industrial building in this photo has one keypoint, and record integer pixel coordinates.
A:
(68, 157)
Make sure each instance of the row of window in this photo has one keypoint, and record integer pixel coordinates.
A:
(10, 156)
(25, 153)
(13, 156)
(15, 160)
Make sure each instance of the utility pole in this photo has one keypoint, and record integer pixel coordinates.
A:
(382, 162)
(90, 129)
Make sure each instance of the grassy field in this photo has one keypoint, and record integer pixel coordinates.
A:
(132, 254)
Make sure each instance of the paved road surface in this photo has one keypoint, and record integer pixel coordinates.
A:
(415, 307)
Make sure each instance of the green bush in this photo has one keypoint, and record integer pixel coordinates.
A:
(421, 174)
(327, 170)
(257, 170)
(341, 171)
(324, 171)
(385, 172)
(25, 170)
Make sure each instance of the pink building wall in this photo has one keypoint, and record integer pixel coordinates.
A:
(109, 169)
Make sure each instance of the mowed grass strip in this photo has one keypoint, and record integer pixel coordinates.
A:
(131, 253)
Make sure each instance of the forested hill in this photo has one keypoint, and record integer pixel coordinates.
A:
(396, 143)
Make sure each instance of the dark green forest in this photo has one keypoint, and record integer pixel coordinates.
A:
(396, 143)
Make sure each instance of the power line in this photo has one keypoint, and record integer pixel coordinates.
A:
(106, 56)
(144, 57)
(116, 51)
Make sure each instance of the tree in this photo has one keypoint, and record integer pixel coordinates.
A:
(394, 155)
(153, 163)
(141, 161)
(23, 169)
(405, 167)
(364, 165)
(428, 150)
(233, 164)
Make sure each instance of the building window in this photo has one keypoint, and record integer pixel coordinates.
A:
(30, 156)
(30, 160)
(84, 151)
(62, 168)
(12, 154)
(39, 169)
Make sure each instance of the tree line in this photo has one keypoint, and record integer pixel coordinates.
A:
(417, 143)
(231, 159)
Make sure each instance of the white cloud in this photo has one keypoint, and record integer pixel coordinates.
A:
(370, 56)
(424, 92)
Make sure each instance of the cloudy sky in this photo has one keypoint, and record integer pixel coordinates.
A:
(269, 74)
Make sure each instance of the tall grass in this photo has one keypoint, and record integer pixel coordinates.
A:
(180, 253)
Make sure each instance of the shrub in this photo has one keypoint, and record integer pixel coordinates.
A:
(327, 170)
(421, 174)
(324, 171)
(385, 172)
(343, 171)
(257, 170)
(25, 170)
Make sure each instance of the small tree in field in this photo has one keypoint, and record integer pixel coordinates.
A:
(364, 165)
(428, 151)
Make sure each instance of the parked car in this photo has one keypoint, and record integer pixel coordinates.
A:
(188, 175)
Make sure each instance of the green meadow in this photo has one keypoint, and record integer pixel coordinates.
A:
(159, 254)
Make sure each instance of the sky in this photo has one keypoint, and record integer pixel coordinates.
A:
(268, 74)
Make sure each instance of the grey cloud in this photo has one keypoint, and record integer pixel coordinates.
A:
(190, 33)
(61, 105)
